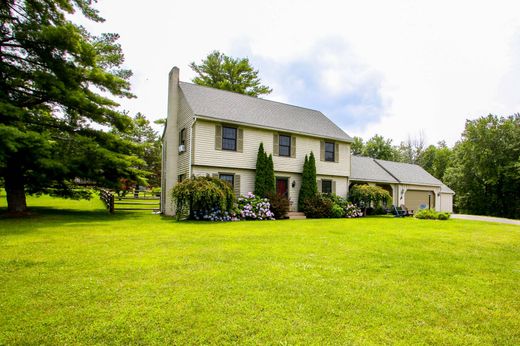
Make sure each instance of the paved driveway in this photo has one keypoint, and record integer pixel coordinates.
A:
(486, 218)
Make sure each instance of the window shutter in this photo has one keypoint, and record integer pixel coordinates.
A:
(214, 175)
(319, 186)
(336, 152)
(334, 187)
(276, 144)
(236, 188)
(218, 137)
(293, 146)
(240, 140)
(322, 150)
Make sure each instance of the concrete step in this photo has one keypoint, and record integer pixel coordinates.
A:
(293, 215)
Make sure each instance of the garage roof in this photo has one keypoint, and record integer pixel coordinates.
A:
(367, 169)
(373, 170)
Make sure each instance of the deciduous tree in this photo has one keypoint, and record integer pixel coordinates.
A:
(485, 169)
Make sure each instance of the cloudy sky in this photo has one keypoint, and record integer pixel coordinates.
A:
(395, 68)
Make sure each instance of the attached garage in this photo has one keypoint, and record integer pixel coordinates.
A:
(419, 199)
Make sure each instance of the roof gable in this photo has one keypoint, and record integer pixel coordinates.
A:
(233, 107)
(366, 169)
(409, 173)
(369, 169)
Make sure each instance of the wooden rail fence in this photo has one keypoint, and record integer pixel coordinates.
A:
(108, 198)
(141, 200)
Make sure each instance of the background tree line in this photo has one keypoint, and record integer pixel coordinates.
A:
(483, 167)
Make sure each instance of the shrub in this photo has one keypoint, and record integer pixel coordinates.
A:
(252, 207)
(309, 187)
(366, 196)
(430, 214)
(352, 210)
(318, 206)
(202, 194)
(337, 211)
(279, 205)
(214, 215)
(264, 179)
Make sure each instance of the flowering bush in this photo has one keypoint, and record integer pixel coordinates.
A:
(214, 214)
(252, 207)
(352, 211)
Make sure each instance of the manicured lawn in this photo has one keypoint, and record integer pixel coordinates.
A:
(81, 276)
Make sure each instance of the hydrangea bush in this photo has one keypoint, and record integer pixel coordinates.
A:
(252, 207)
(352, 211)
(214, 214)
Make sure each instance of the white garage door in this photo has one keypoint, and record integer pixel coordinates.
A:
(417, 199)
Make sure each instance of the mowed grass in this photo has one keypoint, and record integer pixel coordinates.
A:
(77, 275)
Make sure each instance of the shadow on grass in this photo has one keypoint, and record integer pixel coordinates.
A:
(45, 216)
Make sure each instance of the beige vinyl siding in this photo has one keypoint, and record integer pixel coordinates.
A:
(247, 177)
(446, 202)
(185, 121)
(340, 184)
(205, 153)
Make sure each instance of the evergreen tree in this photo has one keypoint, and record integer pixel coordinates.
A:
(56, 80)
(270, 180)
(261, 166)
(304, 187)
(309, 186)
(220, 71)
(313, 184)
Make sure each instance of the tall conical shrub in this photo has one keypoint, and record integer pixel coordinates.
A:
(309, 186)
(270, 180)
(261, 165)
(304, 189)
(313, 184)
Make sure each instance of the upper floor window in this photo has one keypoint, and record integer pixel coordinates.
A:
(229, 138)
(329, 151)
(326, 186)
(284, 145)
(228, 178)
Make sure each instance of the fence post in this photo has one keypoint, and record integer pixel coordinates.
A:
(111, 209)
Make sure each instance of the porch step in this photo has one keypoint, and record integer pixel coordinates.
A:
(293, 215)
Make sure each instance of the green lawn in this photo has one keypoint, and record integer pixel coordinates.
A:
(81, 276)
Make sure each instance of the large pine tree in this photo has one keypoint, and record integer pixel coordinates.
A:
(57, 84)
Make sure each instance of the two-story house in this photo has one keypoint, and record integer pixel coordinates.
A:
(216, 132)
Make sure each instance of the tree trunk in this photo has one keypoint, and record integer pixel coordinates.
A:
(15, 190)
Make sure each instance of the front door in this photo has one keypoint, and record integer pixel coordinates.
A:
(282, 187)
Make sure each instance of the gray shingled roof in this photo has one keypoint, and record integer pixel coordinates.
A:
(369, 169)
(366, 169)
(409, 173)
(234, 107)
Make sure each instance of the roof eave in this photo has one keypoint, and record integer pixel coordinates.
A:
(206, 117)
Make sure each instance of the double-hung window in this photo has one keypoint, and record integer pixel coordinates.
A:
(329, 151)
(284, 145)
(229, 138)
(326, 186)
(228, 178)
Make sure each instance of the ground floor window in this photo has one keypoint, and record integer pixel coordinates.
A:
(228, 178)
(326, 186)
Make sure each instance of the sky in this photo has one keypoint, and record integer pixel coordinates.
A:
(394, 68)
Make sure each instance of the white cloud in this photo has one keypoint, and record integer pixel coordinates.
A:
(438, 63)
